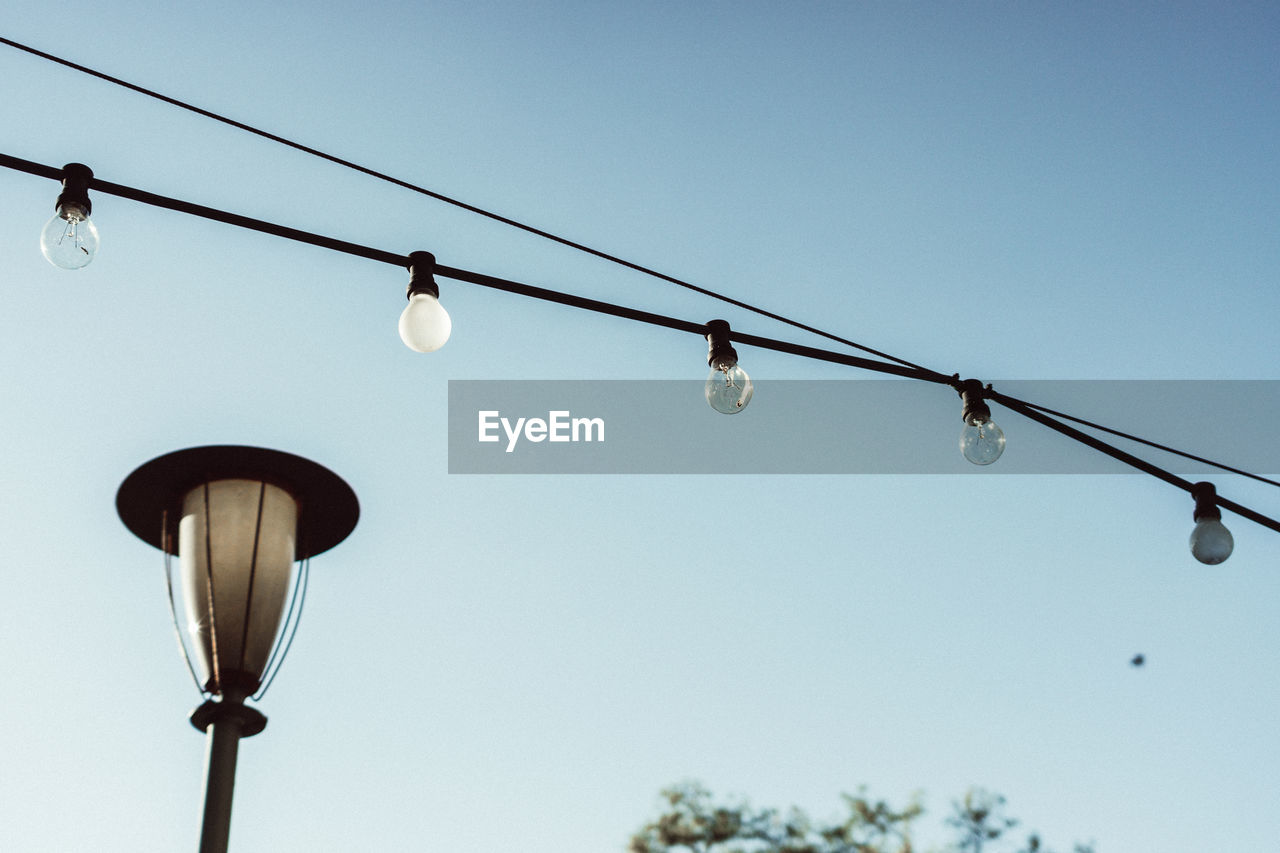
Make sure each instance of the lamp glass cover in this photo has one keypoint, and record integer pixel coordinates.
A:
(244, 537)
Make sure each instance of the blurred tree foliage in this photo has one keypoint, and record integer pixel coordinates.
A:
(692, 822)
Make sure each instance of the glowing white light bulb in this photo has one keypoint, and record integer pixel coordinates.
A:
(729, 388)
(424, 324)
(70, 239)
(981, 441)
(1211, 541)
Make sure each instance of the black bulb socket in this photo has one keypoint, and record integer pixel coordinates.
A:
(720, 353)
(975, 409)
(1206, 497)
(422, 268)
(75, 187)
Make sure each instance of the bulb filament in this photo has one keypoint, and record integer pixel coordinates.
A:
(71, 230)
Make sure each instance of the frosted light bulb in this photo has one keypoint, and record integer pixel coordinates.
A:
(424, 324)
(981, 441)
(1211, 541)
(729, 389)
(70, 239)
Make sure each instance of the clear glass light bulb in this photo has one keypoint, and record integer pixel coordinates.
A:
(1211, 541)
(981, 441)
(424, 324)
(70, 239)
(729, 389)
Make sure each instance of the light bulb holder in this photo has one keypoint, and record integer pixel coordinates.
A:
(422, 267)
(720, 353)
(975, 408)
(75, 187)
(1206, 497)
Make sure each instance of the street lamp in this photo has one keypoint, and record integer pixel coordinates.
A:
(237, 518)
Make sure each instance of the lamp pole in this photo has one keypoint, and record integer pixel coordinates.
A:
(237, 518)
(226, 722)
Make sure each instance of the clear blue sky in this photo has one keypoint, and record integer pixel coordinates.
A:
(1006, 190)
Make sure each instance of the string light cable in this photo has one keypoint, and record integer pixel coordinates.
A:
(423, 268)
(539, 232)
(1152, 444)
(382, 176)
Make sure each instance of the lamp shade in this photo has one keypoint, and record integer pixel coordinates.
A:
(236, 518)
(236, 545)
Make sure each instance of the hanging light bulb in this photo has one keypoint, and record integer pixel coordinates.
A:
(729, 388)
(1211, 541)
(424, 324)
(70, 239)
(981, 441)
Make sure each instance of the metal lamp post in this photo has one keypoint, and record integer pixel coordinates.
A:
(237, 518)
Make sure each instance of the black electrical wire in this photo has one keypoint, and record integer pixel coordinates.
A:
(1032, 412)
(1028, 410)
(382, 176)
(1140, 440)
(507, 221)
(545, 294)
